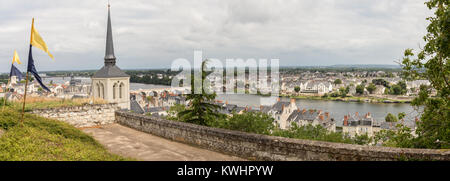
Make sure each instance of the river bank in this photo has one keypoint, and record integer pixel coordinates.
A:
(349, 99)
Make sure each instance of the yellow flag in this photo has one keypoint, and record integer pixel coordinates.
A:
(37, 41)
(16, 58)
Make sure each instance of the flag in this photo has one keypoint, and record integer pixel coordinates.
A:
(15, 72)
(16, 58)
(37, 41)
(32, 70)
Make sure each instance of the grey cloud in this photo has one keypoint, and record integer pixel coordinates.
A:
(150, 34)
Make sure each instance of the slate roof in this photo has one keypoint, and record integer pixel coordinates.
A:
(278, 107)
(135, 107)
(109, 71)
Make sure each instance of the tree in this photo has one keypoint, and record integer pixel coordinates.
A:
(360, 89)
(371, 87)
(201, 109)
(380, 82)
(251, 122)
(432, 63)
(297, 89)
(343, 91)
(338, 81)
(396, 90)
(390, 118)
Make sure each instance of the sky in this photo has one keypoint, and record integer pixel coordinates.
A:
(150, 34)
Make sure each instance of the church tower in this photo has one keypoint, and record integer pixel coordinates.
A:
(110, 83)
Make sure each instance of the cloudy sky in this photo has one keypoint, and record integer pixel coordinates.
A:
(152, 33)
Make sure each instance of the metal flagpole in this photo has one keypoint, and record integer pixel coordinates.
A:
(26, 82)
(24, 97)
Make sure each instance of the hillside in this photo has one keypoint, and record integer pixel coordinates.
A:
(41, 139)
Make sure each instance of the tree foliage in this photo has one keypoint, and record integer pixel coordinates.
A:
(251, 122)
(390, 118)
(360, 89)
(371, 87)
(431, 63)
(201, 108)
(338, 81)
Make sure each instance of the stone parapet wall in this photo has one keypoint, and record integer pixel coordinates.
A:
(81, 116)
(263, 147)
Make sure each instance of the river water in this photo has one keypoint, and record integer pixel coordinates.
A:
(337, 109)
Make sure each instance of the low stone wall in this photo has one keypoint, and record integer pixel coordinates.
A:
(262, 147)
(81, 116)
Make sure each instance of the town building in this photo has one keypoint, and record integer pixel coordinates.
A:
(354, 125)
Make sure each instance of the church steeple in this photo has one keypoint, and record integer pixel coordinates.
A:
(110, 59)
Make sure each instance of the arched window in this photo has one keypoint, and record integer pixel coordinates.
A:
(121, 87)
(114, 90)
(102, 91)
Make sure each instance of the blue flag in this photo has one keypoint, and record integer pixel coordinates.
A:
(32, 69)
(15, 72)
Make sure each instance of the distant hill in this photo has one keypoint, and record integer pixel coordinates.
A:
(393, 66)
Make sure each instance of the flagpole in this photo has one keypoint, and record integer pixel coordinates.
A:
(26, 81)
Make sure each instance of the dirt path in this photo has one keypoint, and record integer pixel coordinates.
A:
(128, 142)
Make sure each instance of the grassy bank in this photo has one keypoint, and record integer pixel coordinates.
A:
(46, 140)
(46, 103)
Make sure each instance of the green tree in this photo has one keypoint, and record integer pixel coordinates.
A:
(371, 87)
(252, 122)
(401, 137)
(360, 89)
(432, 63)
(390, 118)
(343, 91)
(172, 113)
(338, 81)
(396, 90)
(200, 109)
(297, 89)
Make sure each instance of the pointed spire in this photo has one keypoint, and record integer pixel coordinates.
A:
(110, 59)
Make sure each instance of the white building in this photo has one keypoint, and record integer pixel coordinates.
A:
(110, 83)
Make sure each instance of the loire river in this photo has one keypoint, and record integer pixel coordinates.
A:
(337, 109)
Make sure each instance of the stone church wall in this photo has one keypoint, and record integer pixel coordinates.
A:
(81, 116)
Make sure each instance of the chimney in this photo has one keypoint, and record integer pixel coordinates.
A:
(327, 114)
(304, 110)
(278, 99)
(282, 107)
(292, 101)
(345, 120)
(311, 111)
(356, 114)
(298, 109)
(260, 107)
(368, 115)
(226, 102)
(321, 117)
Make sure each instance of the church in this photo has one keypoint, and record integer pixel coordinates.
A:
(110, 82)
